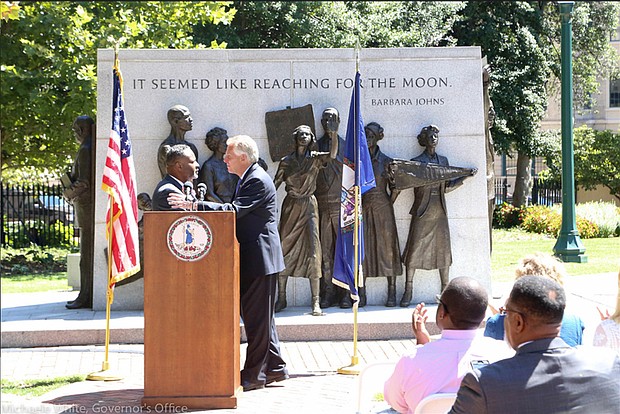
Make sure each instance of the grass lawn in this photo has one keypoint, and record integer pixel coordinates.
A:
(41, 282)
(510, 245)
(38, 387)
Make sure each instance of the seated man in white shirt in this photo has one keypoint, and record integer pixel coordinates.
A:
(439, 366)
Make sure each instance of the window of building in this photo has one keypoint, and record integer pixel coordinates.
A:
(614, 93)
(615, 35)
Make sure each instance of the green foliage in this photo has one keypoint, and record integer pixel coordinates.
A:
(541, 219)
(596, 160)
(548, 220)
(606, 216)
(34, 259)
(38, 387)
(9, 10)
(318, 24)
(48, 61)
(521, 42)
(19, 234)
(506, 216)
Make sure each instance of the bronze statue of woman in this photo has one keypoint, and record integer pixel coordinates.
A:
(382, 250)
(299, 219)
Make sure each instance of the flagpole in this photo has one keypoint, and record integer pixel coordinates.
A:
(353, 368)
(105, 374)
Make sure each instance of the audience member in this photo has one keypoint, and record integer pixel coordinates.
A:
(440, 365)
(545, 375)
(541, 264)
(607, 333)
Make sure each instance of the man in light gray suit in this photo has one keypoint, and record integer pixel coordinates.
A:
(545, 375)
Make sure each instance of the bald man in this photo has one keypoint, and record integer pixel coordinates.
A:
(439, 366)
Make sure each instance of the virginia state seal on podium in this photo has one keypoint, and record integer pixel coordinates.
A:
(189, 238)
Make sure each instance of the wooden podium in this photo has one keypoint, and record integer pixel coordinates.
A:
(191, 309)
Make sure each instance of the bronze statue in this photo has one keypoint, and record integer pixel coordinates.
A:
(81, 194)
(328, 191)
(489, 116)
(299, 220)
(180, 122)
(382, 250)
(220, 183)
(428, 242)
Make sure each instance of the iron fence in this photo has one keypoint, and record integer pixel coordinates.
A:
(36, 213)
(544, 192)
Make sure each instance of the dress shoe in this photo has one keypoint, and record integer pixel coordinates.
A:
(276, 377)
(249, 385)
(78, 305)
(345, 302)
(280, 305)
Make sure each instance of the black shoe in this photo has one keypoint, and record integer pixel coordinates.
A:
(345, 302)
(249, 386)
(326, 301)
(78, 305)
(276, 377)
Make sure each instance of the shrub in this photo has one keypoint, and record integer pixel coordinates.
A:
(604, 214)
(34, 259)
(548, 220)
(19, 234)
(506, 216)
(541, 219)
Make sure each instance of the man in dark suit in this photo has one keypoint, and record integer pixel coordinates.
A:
(181, 167)
(255, 205)
(545, 375)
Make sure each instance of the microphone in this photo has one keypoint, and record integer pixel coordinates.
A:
(202, 191)
(187, 190)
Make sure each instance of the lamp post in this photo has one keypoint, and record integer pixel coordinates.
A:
(568, 247)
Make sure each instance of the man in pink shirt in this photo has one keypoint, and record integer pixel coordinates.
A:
(439, 366)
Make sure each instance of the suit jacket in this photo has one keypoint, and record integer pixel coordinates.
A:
(256, 209)
(160, 196)
(544, 376)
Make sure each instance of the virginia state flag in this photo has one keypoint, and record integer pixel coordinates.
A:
(356, 172)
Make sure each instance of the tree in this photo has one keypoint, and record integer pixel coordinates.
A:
(319, 24)
(48, 63)
(597, 159)
(520, 40)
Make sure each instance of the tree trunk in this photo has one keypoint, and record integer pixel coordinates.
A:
(522, 180)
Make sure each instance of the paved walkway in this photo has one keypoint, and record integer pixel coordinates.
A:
(315, 385)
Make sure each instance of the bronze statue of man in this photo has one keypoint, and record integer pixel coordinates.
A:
(428, 243)
(81, 194)
(327, 193)
(180, 121)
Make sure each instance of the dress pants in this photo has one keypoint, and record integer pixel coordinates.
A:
(258, 296)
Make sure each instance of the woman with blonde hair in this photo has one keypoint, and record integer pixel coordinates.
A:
(607, 333)
(544, 265)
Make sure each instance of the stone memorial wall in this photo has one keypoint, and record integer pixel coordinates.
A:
(403, 89)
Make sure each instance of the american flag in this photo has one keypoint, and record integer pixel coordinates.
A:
(119, 181)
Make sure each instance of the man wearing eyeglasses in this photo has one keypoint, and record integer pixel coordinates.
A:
(440, 365)
(545, 375)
